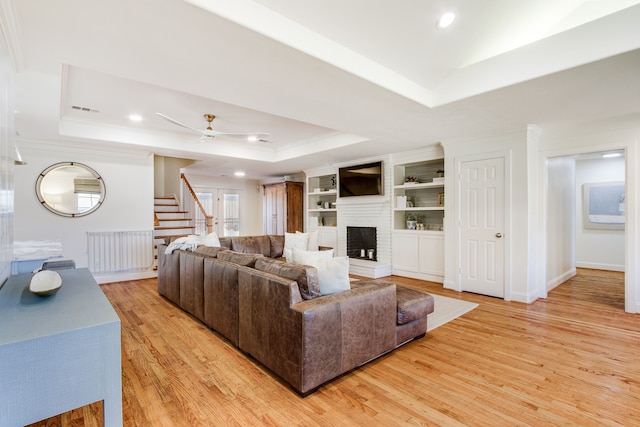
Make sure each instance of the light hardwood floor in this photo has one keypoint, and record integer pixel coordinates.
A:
(572, 359)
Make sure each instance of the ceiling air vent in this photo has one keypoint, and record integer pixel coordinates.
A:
(85, 109)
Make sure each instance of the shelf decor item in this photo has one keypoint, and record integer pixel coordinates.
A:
(410, 180)
(411, 221)
(440, 199)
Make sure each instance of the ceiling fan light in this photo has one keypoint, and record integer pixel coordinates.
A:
(17, 160)
(446, 20)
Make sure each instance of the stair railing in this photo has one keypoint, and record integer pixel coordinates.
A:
(190, 202)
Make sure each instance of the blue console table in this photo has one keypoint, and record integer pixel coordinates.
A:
(58, 353)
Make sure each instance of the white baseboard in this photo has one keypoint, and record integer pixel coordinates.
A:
(421, 276)
(600, 266)
(102, 278)
(560, 279)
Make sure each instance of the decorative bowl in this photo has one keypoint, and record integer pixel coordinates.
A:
(45, 283)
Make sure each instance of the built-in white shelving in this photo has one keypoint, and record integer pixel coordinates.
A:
(418, 213)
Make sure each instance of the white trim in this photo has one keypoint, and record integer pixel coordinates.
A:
(600, 266)
(124, 277)
(560, 279)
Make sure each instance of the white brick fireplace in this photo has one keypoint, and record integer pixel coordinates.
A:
(367, 211)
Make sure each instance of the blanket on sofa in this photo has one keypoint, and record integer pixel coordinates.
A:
(191, 243)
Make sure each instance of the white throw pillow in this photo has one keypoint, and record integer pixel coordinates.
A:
(310, 257)
(211, 239)
(312, 241)
(333, 275)
(294, 240)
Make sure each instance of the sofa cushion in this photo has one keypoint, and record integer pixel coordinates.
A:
(412, 304)
(247, 260)
(294, 240)
(309, 257)
(225, 242)
(252, 245)
(277, 245)
(312, 239)
(306, 276)
(211, 251)
(333, 274)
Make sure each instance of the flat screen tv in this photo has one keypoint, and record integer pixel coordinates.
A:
(360, 180)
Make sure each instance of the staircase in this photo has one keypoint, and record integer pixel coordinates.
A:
(171, 222)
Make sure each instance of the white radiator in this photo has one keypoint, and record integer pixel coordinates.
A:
(115, 251)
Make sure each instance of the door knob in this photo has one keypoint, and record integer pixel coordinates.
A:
(499, 235)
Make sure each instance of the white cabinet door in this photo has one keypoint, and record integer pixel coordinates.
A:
(431, 247)
(405, 252)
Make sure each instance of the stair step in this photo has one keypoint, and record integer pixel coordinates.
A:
(171, 215)
(178, 227)
(164, 201)
(174, 222)
(173, 237)
(167, 208)
(172, 231)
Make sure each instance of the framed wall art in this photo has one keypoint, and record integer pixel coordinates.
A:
(603, 205)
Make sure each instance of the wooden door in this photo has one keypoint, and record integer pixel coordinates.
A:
(295, 207)
(481, 227)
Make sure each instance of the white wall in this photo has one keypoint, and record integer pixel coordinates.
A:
(128, 205)
(167, 180)
(560, 220)
(601, 249)
(513, 147)
(251, 196)
(7, 135)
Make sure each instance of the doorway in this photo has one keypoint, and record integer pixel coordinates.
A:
(223, 206)
(576, 235)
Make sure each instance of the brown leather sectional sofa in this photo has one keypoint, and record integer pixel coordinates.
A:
(273, 310)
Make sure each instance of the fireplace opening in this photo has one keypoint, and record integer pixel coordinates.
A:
(362, 243)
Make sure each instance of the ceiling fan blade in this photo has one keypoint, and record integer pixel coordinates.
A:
(242, 135)
(175, 122)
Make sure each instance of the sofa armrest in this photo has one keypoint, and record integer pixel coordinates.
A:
(309, 342)
(349, 328)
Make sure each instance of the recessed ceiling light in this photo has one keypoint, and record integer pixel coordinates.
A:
(446, 20)
(608, 155)
(252, 138)
(239, 173)
(135, 117)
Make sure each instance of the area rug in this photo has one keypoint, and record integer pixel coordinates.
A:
(446, 309)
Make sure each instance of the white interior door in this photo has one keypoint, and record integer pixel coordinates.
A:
(482, 227)
(224, 206)
(228, 216)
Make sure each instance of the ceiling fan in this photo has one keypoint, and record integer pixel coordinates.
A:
(209, 132)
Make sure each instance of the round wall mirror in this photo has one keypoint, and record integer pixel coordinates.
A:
(70, 189)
